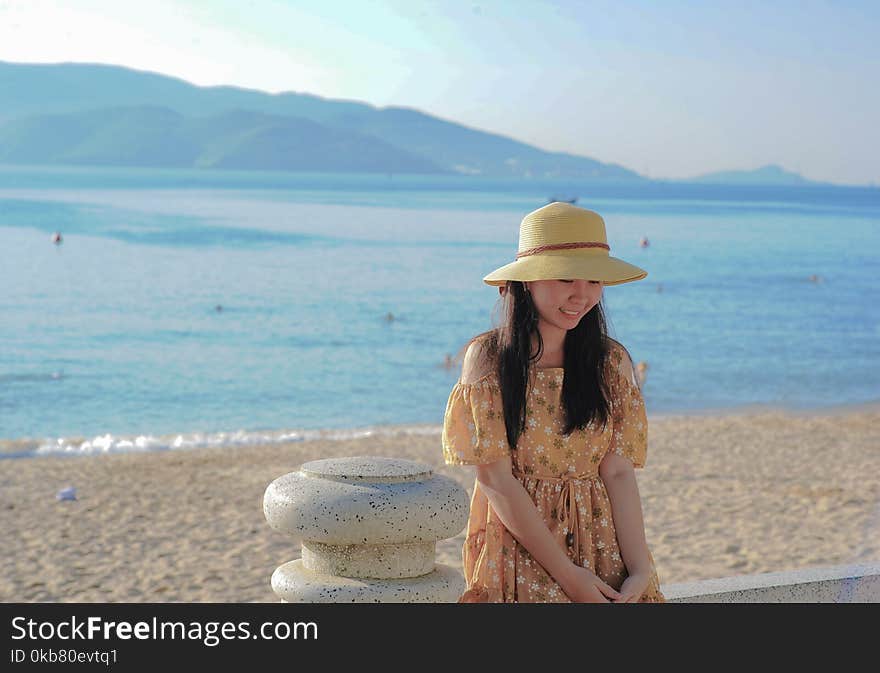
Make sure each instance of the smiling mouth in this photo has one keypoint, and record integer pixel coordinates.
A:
(570, 313)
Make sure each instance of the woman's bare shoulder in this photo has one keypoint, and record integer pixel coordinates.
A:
(620, 359)
(478, 361)
(615, 348)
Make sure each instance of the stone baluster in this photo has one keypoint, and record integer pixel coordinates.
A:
(368, 527)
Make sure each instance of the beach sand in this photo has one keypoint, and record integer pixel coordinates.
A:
(722, 495)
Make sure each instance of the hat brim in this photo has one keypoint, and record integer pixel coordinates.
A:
(608, 270)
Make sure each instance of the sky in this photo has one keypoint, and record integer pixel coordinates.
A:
(670, 89)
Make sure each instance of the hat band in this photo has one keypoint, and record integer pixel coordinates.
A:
(562, 246)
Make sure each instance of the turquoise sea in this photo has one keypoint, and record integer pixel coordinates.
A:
(188, 308)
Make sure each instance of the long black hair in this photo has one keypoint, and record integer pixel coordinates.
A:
(585, 388)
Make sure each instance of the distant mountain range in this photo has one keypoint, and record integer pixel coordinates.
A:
(766, 175)
(80, 114)
(161, 137)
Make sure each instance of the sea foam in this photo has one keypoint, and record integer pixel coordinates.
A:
(106, 444)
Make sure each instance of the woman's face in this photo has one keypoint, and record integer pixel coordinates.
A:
(562, 303)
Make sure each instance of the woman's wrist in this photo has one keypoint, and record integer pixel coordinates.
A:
(640, 569)
(568, 577)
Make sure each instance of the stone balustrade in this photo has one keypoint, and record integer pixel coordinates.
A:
(833, 584)
(368, 527)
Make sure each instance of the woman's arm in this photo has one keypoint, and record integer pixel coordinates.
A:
(519, 515)
(619, 478)
(512, 504)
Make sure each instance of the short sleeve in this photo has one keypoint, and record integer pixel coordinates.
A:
(630, 419)
(473, 426)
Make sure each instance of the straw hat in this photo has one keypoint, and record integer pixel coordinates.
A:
(561, 241)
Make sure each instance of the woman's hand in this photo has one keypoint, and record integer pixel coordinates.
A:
(633, 587)
(584, 586)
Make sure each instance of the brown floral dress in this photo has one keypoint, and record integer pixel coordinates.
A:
(560, 473)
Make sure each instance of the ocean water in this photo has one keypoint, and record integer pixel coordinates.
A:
(188, 308)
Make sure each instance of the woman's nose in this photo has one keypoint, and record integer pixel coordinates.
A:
(580, 288)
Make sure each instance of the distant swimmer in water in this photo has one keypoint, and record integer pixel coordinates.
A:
(448, 362)
(218, 308)
(644, 242)
(389, 317)
(815, 278)
(56, 238)
(642, 372)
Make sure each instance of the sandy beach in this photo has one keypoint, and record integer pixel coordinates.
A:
(722, 495)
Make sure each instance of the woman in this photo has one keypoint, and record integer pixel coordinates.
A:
(549, 412)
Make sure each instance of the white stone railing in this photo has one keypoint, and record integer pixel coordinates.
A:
(368, 528)
(832, 584)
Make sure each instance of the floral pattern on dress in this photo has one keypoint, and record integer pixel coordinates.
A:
(560, 474)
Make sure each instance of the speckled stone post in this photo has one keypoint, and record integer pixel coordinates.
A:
(368, 528)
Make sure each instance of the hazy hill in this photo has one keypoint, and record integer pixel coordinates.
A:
(766, 175)
(42, 103)
(159, 137)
